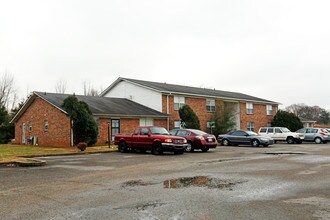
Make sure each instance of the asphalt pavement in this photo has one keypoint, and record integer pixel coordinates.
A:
(279, 182)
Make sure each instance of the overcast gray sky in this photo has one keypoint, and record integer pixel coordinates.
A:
(277, 50)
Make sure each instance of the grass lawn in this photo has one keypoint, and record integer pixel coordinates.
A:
(9, 152)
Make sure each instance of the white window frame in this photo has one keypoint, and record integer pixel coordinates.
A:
(210, 105)
(269, 109)
(179, 101)
(249, 108)
(250, 126)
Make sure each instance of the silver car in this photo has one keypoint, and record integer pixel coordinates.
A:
(317, 135)
(240, 137)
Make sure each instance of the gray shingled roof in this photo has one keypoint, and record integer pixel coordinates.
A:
(188, 90)
(105, 105)
(99, 106)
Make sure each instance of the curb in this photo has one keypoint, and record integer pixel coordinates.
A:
(29, 161)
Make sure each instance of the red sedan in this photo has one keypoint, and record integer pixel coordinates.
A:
(196, 139)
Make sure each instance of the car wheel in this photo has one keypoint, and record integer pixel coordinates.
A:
(255, 143)
(225, 142)
(189, 148)
(318, 140)
(157, 149)
(205, 149)
(298, 141)
(290, 140)
(265, 145)
(122, 147)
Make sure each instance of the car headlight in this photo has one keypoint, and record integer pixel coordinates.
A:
(168, 140)
(264, 139)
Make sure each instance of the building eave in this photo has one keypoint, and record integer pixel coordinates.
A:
(131, 116)
(168, 92)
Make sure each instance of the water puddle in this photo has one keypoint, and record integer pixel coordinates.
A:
(284, 153)
(133, 183)
(200, 181)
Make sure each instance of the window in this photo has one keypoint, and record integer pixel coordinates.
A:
(269, 109)
(270, 130)
(30, 127)
(210, 105)
(183, 133)
(179, 101)
(269, 124)
(277, 130)
(238, 133)
(115, 128)
(46, 126)
(146, 122)
(263, 130)
(136, 132)
(250, 126)
(144, 131)
(177, 124)
(249, 108)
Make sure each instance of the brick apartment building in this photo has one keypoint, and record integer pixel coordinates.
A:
(43, 118)
(251, 112)
(128, 103)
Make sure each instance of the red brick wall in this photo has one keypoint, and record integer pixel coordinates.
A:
(58, 133)
(198, 104)
(127, 125)
(259, 116)
(103, 131)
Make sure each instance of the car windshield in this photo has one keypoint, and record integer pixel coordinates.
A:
(251, 133)
(158, 130)
(285, 130)
(198, 132)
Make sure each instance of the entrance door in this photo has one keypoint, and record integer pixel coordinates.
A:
(23, 134)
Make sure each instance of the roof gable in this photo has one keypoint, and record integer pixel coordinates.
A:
(188, 90)
(99, 106)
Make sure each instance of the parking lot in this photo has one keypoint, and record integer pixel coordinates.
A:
(278, 182)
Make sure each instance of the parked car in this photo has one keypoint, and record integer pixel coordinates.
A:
(317, 135)
(281, 134)
(196, 139)
(240, 137)
(156, 139)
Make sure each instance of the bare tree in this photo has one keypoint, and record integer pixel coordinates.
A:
(89, 90)
(60, 87)
(7, 92)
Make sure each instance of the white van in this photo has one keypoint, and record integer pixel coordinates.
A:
(281, 134)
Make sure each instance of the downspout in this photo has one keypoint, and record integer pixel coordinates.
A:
(71, 133)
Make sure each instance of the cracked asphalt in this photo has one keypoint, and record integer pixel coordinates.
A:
(279, 182)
